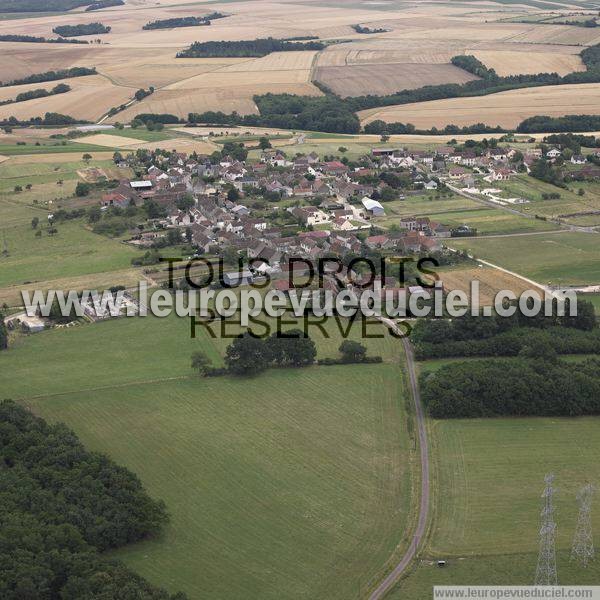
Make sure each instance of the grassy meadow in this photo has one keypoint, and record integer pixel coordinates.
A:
(296, 483)
(560, 258)
(488, 477)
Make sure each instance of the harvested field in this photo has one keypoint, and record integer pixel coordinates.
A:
(90, 98)
(515, 63)
(506, 109)
(111, 141)
(491, 281)
(180, 145)
(360, 80)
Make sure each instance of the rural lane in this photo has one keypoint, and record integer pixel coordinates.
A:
(397, 571)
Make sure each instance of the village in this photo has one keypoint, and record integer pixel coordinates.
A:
(280, 206)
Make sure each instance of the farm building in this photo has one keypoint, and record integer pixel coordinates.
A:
(373, 207)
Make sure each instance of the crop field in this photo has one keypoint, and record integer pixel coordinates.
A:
(506, 109)
(414, 50)
(359, 80)
(491, 281)
(488, 477)
(506, 62)
(560, 258)
(90, 97)
(263, 483)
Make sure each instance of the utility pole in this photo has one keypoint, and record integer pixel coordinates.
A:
(546, 568)
(583, 542)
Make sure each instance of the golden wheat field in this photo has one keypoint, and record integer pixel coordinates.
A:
(414, 49)
(358, 80)
(506, 109)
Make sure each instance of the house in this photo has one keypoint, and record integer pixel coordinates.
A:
(500, 174)
(373, 207)
(431, 185)
(115, 199)
(140, 185)
(578, 159)
(553, 153)
(235, 278)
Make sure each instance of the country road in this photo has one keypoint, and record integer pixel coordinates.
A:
(397, 571)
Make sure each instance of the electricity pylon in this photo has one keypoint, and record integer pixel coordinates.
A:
(583, 542)
(546, 568)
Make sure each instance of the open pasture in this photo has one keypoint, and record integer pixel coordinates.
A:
(263, 482)
(488, 477)
(560, 258)
(506, 109)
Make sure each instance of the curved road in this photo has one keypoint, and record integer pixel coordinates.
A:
(397, 571)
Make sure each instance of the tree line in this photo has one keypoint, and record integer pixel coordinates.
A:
(37, 6)
(543, 123)
(250, 355)
(242, 48)
(534, 384)
(61, 88)
(61, 507)
(104, 4)
(81, 29)
(184, 21)
(33, 39)
(52, 76)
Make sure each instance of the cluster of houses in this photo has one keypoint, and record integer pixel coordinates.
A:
(329, 207)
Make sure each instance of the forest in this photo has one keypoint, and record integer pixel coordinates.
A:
(177, 22)
(61, 507)
(507, 336)
(81, 29)
(534, 384)
(253, 48)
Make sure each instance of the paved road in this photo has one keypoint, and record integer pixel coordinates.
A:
(397, 571)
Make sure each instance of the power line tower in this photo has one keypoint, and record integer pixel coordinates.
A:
(546, 568)
(583, 542)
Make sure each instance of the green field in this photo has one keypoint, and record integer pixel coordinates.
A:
(74, 250)
(492, 221)
(488, 477)
(560, 258)
(292, 484)
(570, 202)
(49, 148)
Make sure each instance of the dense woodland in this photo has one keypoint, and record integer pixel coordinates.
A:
(507, 336)
(254, 48)
(61, 506)
(51, 76)
(536, 383)
(184, 21)
(81, 29)
(547, 124)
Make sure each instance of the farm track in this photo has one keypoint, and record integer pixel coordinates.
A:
(421, 528)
